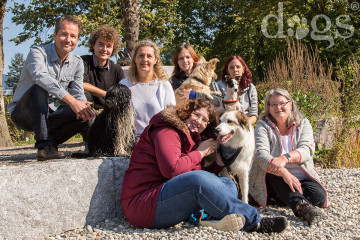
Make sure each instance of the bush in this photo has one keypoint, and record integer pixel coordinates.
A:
(302, 70)
(16, 133)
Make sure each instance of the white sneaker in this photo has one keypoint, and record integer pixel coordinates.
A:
(231, 222)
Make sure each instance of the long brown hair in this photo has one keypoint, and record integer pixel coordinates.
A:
(246, 78)
(185, 111)
(177, 70)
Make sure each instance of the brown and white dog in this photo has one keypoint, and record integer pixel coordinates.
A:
(231, 98)
(199, 80)
(237, 145)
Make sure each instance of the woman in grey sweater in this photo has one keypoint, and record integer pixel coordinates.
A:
(236, 66)
(283, 165)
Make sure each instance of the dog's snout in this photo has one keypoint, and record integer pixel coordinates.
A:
(216, 131)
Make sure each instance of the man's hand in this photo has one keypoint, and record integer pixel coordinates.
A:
(81, 108)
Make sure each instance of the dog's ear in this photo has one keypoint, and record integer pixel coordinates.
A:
(213, 62)
(201, 60)
(227, 78)
(238, 78)
(243, 120)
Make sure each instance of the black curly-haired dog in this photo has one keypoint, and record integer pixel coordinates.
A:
(112, 133)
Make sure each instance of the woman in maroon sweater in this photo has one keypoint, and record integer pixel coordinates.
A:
(166, 180)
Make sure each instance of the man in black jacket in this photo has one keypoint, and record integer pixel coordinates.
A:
(99, 71)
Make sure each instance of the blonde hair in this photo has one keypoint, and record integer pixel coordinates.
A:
(158, 66)
(295, 114)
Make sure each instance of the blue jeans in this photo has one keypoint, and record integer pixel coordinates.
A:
(32, 113)
(188, 192)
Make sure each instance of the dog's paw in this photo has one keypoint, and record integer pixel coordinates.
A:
(215, 93)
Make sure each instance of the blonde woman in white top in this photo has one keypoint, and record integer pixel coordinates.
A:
(150, 90)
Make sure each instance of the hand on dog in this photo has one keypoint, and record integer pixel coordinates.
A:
(184, 94)
(207, 147)
(276, 164)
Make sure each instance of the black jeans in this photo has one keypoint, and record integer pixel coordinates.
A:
(32, 113)
(277, 188)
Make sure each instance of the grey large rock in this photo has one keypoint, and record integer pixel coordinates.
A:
(41, 199)
(326, 130)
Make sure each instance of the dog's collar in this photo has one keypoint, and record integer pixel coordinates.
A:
(231, 102)
(228, 161)
(197, 79)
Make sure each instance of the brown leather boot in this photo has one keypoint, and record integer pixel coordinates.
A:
(307, 211)
(49, 152)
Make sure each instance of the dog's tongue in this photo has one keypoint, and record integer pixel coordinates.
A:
(223, 138)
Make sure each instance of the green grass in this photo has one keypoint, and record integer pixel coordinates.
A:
(76, 138)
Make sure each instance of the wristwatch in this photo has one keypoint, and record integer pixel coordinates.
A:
(288, 157)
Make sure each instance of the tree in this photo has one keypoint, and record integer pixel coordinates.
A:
(132, 18)
(15, 68)
(4, 131)
(130, 9)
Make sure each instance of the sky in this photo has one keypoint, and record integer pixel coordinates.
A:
(11, 31)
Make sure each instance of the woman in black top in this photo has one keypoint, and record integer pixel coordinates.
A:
(185, 61)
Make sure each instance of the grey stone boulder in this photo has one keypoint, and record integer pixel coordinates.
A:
(41, 199)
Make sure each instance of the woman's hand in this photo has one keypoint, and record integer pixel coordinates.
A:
(184, 94)
(291, 180)
(207, 147)
(277, 163)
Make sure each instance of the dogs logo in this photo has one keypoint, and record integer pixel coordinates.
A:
(199, 80)
(237, 145)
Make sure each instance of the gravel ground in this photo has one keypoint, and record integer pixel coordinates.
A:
(341, 220)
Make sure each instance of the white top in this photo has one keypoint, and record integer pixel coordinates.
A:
(293, 168)
(148, 99)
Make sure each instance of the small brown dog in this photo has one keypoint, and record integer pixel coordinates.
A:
(199, 80)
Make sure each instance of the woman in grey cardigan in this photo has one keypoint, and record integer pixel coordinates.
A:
(236, 66)
(283, 165)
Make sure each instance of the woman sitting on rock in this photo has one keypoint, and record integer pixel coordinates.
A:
(235, 66)
(166, 180)
(150, 90)
(185, 61)
(283, 167)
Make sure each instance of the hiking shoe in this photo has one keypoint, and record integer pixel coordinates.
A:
(307, 211)
(269, 225)
(231, 222)
(49, 152)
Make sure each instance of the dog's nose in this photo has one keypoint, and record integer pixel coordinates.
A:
(216, 131)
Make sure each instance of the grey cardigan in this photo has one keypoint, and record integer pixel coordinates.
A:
(268, 146)
(248, 98)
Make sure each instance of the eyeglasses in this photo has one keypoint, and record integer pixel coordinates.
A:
(202, 119)
(280, 105)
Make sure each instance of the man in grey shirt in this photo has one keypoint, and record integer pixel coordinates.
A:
(52, 73)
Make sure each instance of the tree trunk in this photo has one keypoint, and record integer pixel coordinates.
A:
(5, 140)
(130, 12)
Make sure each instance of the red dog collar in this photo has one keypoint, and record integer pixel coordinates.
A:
(231, 102)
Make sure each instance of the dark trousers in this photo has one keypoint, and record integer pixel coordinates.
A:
(277, 188)
(32, 113)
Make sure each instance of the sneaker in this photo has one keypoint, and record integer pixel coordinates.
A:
(49, 152)
(232, 222)
(307, 211)
(269, 225)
